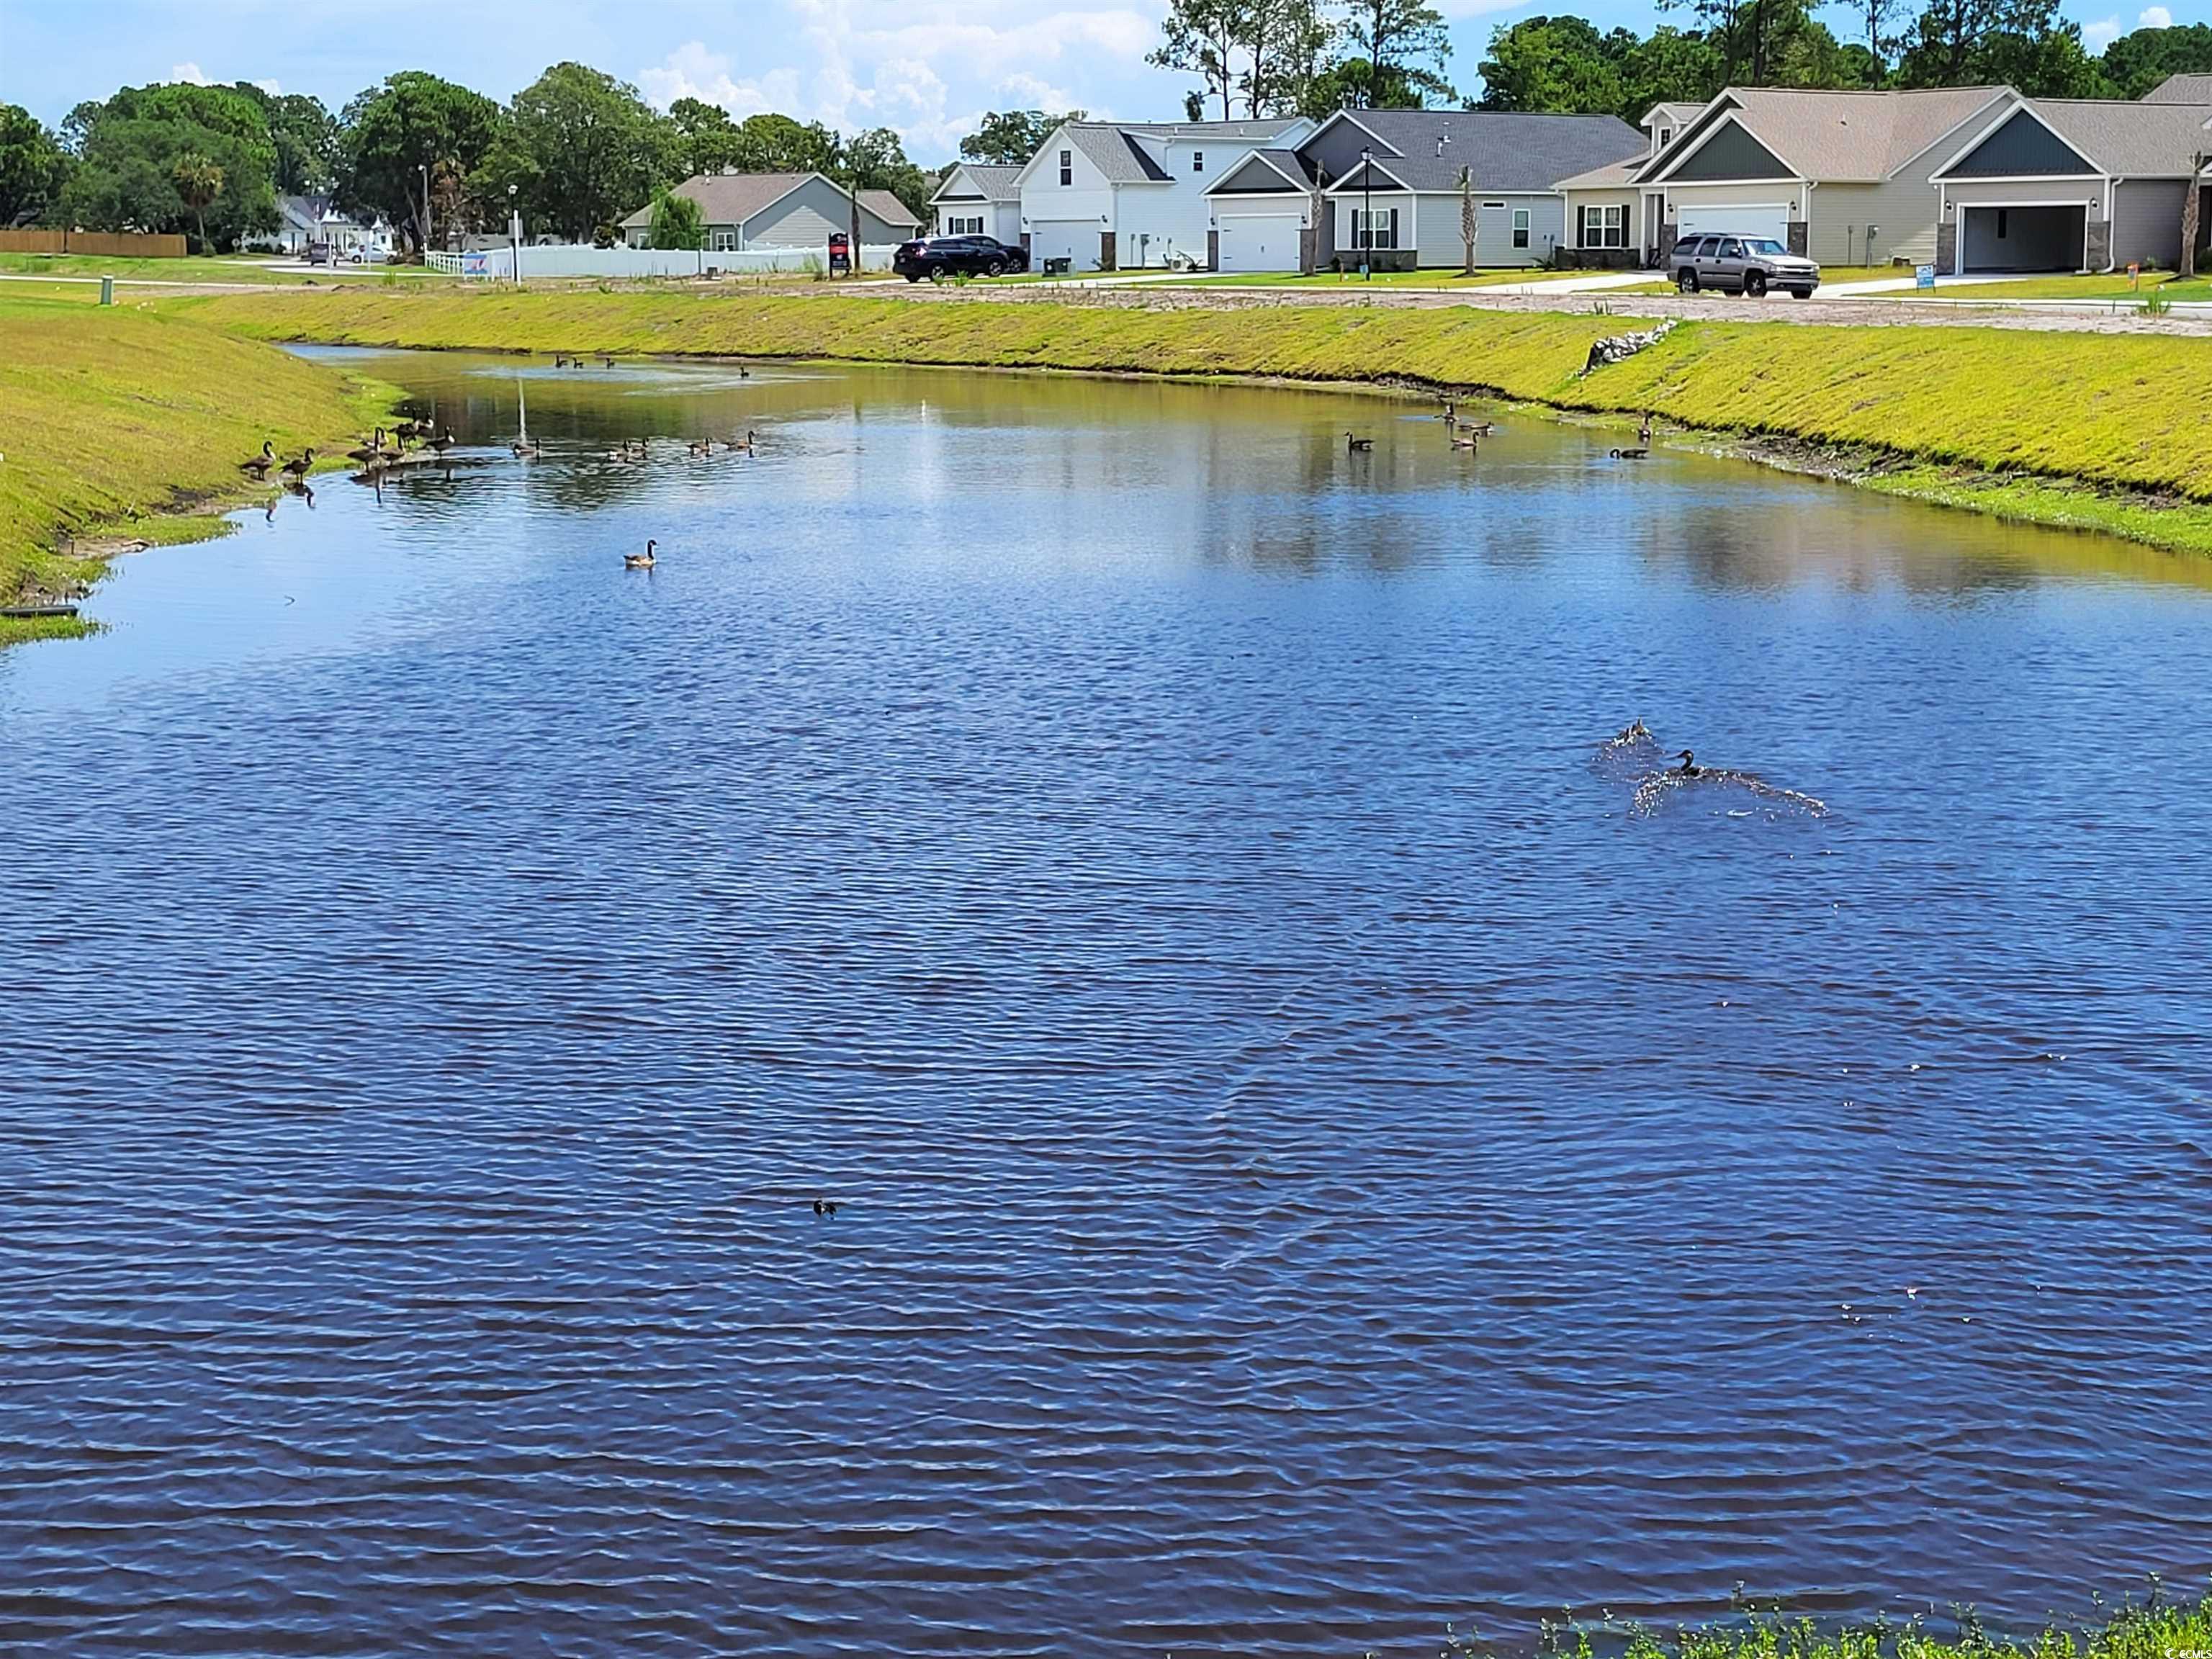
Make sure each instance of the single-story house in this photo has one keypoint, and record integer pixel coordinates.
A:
(1841, 176)
(1110, 196)
(977, 199)
(1385, 186)
(302, 221)
(2066, 183)
(780, 210)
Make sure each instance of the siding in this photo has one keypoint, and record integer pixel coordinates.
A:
(1732, 153)
(2146, 221)
(2001, 193)
(1631, 199)
(806, 216)
(1347, 206)
(1337, 153)
(1903, 211)
(2021, 148)
(1089, 198)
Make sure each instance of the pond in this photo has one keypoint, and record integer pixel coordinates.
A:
(1322, 1146)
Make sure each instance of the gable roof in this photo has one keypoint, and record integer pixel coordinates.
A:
(1845, 137)
(2138, 140)
(991, 181)
(1679, 115)
(731, 199)
(1112, 146)
(1268, 172)
(1506, 151)
(2181, 90)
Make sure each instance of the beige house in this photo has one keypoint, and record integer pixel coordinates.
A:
(744, 210)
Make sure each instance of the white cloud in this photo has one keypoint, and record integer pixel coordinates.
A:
(269, 85)
(190, 73)
(2101, 33)
(2154, 17)
(898, 62)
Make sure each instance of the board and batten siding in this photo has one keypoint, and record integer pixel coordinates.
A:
(1903, 209)
(1089, 196)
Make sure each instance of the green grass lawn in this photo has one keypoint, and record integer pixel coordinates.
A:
(229, 268)
(1440, 277)
(2094, 286)
(117, 413)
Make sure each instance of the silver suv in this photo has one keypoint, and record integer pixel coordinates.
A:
(1741, 265)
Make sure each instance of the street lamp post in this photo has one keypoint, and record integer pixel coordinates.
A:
(425, 171)
(1367, 216)
(515, 236)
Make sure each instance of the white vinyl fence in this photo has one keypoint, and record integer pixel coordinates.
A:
(581, 259)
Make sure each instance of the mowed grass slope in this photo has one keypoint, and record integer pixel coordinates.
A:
(110, 413)
(2113, 409)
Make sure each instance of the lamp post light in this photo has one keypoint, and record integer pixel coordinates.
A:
(424, 169)
(514, 235)
(1367, 216)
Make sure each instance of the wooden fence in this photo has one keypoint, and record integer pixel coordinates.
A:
(108, 245)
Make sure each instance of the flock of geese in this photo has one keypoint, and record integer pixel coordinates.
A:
(1466, 436)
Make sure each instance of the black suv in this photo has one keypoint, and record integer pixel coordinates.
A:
(936, 256)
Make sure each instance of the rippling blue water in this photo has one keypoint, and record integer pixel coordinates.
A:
(1314, 1162)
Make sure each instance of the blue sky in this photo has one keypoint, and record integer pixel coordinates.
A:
(925, 67)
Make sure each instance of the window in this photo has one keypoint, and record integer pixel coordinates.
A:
(1066, 168)
(1666, 136)
(1378, 229)
(1604, 227)
(964, 225)
(1494, 207)
(1197, 161)
(1520, 226)
(726, 241)
(1731, 248)
(2001, 224)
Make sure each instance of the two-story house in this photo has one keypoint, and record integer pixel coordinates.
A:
(1112, 196)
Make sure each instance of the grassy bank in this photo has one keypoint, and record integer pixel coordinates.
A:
(2101, 432)
(2154, 1630)
(111, 416)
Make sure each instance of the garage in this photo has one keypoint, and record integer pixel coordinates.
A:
(2023, 238)
(1075, 240)
(1766, 219)
(1259, 241)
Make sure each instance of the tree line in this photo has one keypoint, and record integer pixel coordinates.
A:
(575, 152)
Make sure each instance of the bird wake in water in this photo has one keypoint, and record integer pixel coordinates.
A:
(1633, 752)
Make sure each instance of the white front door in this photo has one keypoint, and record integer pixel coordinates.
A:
(1766, 220)
(1259, 241)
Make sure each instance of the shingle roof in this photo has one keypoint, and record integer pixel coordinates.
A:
(1506, 151)
(731, 198)
(1613, 175)
(2181, 90)
(996, 183)
(2140, 141)
(1851, 137)
(1678, 113)
(1273, 126)
(1115, 153)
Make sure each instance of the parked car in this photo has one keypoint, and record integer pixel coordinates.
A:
(319, 253)
(936, 256)
(1741, 265)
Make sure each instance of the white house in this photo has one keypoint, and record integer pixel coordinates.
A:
(1110, 196)
(977, 199)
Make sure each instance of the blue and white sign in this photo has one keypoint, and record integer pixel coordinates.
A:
(1923, 275)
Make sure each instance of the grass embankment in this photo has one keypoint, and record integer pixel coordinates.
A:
(222, 267)
(2097, 432)
(2156, 1631)
(111, 416)
(2113, 286)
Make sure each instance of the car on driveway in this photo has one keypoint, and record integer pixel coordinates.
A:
(1741, 265)
(937, 256)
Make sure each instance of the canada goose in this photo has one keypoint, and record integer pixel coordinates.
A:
(825, 1206)
(745, 446)
(373, 450)
(297, 469)
(743, 374)
(1465, 441)
(1634, 731)
(1480, 428)
(407, 431)
(701, 448)
(1629, 454)
(605, 361)
(640, 561)
(523, 450)
(257, 466)
(1358, 446)
(1643, 432)
(1689, 768)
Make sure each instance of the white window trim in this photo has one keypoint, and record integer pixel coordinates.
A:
(1364, 224)
(1524, 226)
(1197, 162)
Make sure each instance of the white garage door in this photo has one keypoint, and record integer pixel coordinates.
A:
(1075, 240)
(1260, 241)
(1772, 221)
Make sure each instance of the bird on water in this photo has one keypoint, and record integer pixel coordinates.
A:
(1358, 444)
(640, 561)
(1689, 768)
(825, 1206)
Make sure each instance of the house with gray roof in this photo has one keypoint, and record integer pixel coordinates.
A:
(2077, 183)
(1120, 195)
(1383, 187)
(744, 210)
(977, 199)
(1967, 179)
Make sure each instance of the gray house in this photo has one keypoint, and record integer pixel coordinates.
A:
(2066, 183)
(1384, 186)
(745, 210)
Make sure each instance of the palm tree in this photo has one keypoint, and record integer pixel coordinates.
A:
(1469, 224)
(198, 181)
